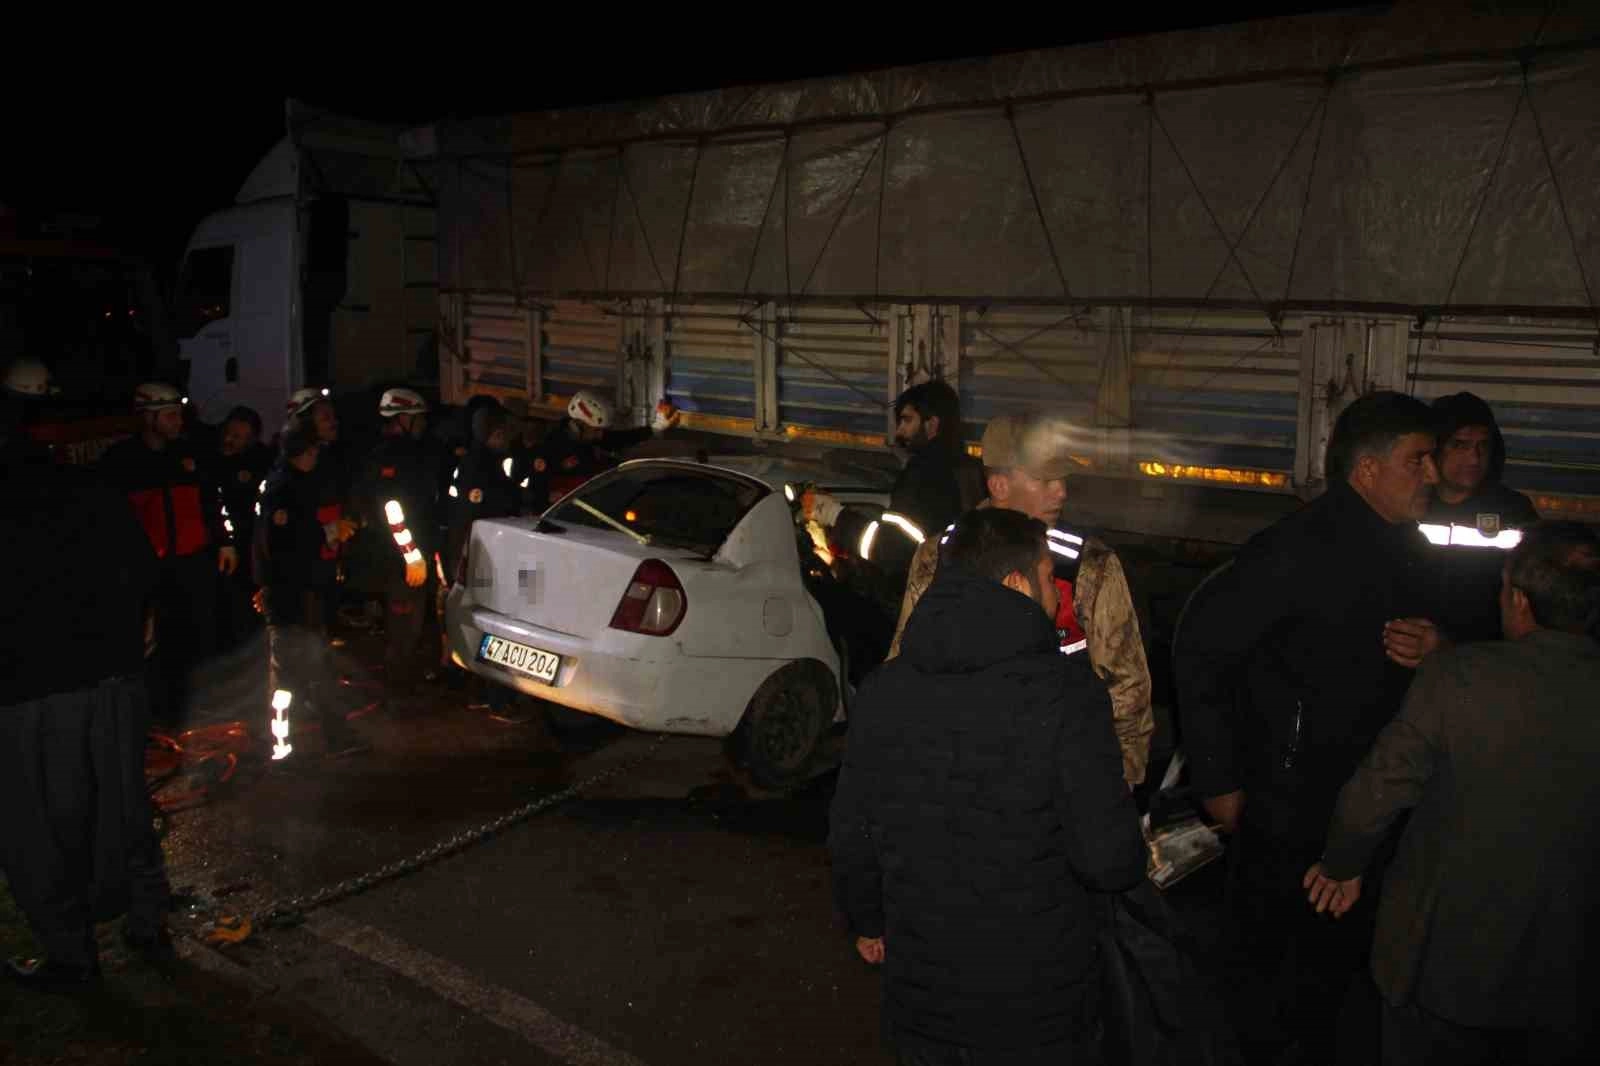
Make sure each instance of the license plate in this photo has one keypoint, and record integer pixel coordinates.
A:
(540, 665)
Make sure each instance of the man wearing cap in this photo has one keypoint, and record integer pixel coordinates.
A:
(175, 499)
(1473, 520)
(1026, 461)
(397, 492)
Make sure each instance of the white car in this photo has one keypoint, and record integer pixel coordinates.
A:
(666, 595)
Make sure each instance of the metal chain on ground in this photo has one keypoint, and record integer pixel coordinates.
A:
(290, 909)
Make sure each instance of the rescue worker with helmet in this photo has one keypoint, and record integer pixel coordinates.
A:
(175, 499)
(397, 490)
(298, 575)
(586, 443)
(311, 409)
(1473, 520)
(23, 389)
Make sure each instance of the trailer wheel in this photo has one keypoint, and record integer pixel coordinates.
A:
(785, 724)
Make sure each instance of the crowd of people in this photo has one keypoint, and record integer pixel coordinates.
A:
(1385, 702)
(186, 540)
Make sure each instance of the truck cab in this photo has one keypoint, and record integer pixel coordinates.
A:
(320, 273)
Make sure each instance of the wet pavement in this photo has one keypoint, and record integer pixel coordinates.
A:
(671, 914)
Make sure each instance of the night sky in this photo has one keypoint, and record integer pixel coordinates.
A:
(154, 141)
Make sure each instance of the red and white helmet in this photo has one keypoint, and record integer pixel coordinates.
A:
(401, 402)
(156, 396)
(303, 400)
(590, 409)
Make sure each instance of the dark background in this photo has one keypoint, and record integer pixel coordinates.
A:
(150, 138)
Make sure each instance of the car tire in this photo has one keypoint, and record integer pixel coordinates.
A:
(785, 723)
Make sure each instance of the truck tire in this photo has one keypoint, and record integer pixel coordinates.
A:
(785, 724)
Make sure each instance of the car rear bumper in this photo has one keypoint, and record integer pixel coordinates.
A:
(638, 681)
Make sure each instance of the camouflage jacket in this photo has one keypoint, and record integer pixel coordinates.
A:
(1104, 609)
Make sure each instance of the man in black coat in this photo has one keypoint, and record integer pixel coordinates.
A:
(980, 807)
(1473, 519)
(240, 468)
(938, 483)
(1289, 663)
(397, 492)
(298, 575)
(77, 843)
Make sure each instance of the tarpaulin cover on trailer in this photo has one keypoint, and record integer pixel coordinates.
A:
(1405, 158)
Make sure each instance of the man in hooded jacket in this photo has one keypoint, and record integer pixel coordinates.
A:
(1473, 520)
(980, 808)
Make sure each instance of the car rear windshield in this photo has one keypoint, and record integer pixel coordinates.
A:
(678, 506)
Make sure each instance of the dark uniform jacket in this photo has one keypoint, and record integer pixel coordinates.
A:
(980, 806)
(292, 562)
(173, 494)
(482, 488)
(238, 478)
(1489, 914)
(405, 470)
(82, 577)
(562, 462)
(927, 492)
(1282, 679)
(1467, 576)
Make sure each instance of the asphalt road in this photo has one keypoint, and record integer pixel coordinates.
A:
(671, 914)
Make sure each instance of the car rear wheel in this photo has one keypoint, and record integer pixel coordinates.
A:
(785, 723)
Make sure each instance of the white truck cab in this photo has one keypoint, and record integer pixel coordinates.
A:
(320, 273)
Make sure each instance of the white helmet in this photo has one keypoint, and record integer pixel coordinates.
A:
(590, 409)
(27, 377)
(303, 400)
(401, 402)
(157, 396)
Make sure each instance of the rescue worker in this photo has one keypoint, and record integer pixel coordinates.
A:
(481, 486)
(174, 497)
(312, 410)
(397, 491)
(24, 387)
(1026, 462)
(1473, 520)
(297, 573)
(586, 443)
(77, 844)
(927, 495)
(1289, 664)
(240, 468)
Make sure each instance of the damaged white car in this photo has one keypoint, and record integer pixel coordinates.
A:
(667, 595)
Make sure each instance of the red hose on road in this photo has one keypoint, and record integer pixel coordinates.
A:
(198, 760)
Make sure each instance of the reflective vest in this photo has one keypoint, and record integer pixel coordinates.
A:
(174, 501)
(1066, 548)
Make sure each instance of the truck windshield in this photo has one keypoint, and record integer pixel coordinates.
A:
(678, 506)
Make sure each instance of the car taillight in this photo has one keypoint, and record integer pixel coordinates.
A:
(654, 602)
